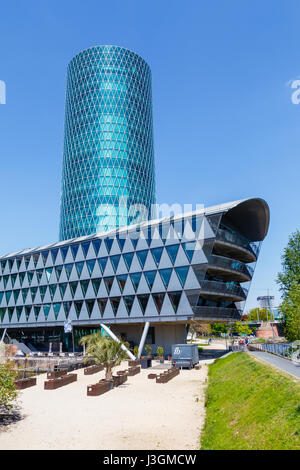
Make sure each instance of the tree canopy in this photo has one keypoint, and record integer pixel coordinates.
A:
(289, 281)
(290, 261)
(219, 328)
(197, 327)
(259, 314)
(241, 328)
(290, 309)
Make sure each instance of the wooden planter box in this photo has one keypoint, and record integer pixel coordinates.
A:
(122, 372)
(53, 384)
(93, 369)
(99, 388)
(56, 373)
(119, 379)
(21, 384)
(134, 370)
(167, 375)
(152, 376)
(136, 362)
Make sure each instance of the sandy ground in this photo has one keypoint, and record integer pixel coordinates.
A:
(140, 414)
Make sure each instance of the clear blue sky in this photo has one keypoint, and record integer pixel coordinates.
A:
(225, 127)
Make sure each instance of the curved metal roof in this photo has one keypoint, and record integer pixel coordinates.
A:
(250, 216)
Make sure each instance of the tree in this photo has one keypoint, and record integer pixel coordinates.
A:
(197, 327)
(290, 309)
(8, 392)
(241, 328)
(290, 264)
(104, 350)
(218, 328)
(260, 314)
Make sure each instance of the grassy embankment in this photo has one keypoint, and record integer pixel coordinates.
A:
(250, 405)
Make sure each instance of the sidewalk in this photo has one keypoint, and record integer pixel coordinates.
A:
(281, 363)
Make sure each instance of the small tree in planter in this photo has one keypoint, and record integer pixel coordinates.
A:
(148, 350)
(160, 352)
(104, 350)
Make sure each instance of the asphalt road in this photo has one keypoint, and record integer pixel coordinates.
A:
(284, 364)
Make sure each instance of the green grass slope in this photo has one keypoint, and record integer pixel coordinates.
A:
(249, 405)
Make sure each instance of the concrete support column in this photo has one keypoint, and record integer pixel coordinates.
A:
(3, 336)
(143, 339)
(115, 338)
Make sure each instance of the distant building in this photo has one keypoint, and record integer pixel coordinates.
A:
(108, 176)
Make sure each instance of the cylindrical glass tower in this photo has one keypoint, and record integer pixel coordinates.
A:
(108, 176)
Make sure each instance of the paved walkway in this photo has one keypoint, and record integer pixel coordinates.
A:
(284, 364)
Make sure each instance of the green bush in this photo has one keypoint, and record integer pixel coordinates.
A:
(8, 392)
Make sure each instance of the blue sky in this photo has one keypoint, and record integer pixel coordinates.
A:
(225, 127)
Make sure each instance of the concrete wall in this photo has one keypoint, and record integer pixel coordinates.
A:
(165, 335)
(266, 331)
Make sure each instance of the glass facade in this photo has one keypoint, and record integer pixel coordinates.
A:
(108, 176)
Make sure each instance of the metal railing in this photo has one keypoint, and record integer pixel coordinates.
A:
(280, 349)
(237, 239)
(37, 365)
(230, 264)
(217, 313)
(226, 288)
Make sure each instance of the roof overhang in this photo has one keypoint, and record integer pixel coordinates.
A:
(251, 217)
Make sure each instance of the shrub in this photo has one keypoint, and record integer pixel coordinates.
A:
(8, 392)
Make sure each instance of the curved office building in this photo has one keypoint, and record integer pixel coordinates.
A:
(108, 166)
(167, 272)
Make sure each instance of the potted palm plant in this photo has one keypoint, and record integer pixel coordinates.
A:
(160, 352)
(148, 350)
(104, 350)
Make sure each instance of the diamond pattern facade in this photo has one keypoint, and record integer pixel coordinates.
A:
(175, 269)
(108, 164)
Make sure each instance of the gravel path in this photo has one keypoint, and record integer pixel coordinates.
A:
(138, 415)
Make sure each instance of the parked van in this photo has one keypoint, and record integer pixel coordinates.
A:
(185, 355)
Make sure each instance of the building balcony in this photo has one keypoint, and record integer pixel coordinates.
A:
(223, 290)
(229, 269)
(235, 246)
(216, 314)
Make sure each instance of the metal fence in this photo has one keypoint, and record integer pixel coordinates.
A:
(281, 349)
(28, 366)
